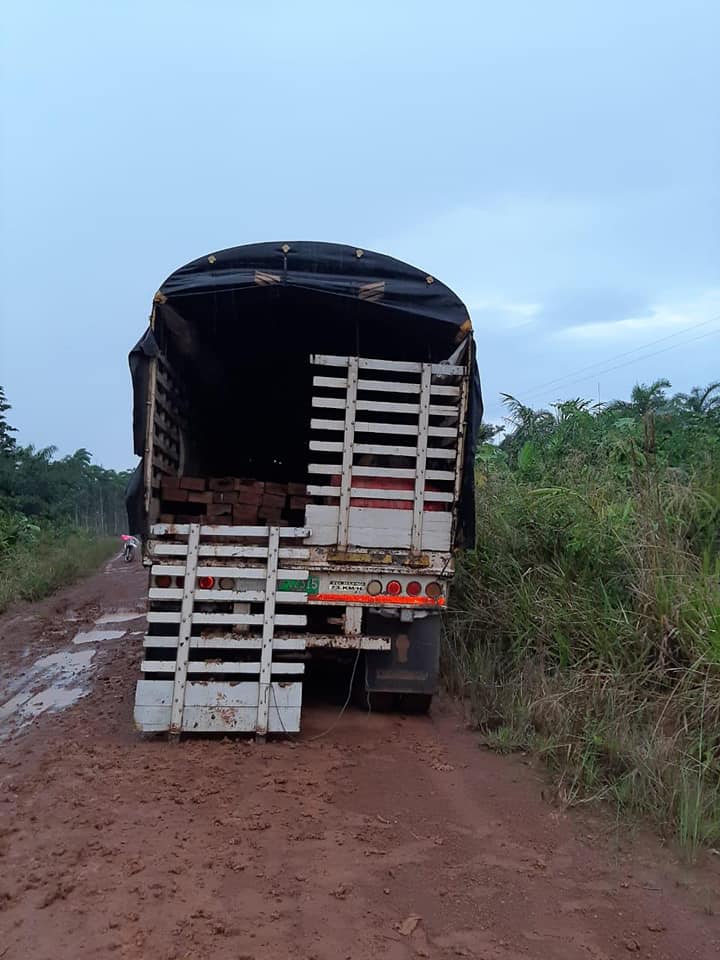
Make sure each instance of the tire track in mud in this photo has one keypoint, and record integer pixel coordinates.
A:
(391, 836)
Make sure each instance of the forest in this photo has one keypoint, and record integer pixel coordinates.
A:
(59, 516)
(585, 627)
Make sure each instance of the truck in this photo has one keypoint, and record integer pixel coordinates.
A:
(305, 416)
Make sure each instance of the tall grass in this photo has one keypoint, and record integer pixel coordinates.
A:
(585, 627)
(30, 569)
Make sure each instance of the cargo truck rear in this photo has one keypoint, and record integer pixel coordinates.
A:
(306, 416)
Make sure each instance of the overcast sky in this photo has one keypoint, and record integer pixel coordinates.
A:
(556, 162)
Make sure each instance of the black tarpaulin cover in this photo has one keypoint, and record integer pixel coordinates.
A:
(331, 298)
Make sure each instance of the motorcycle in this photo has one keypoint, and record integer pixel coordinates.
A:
(130, 545)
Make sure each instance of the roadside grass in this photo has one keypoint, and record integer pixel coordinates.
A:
(585, 629)
(33, 570)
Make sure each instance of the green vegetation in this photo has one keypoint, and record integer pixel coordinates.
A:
(57, 516)
(586, 623)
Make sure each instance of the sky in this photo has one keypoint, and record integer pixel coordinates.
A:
(556, 163)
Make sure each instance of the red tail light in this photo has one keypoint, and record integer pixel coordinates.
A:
(393, 588)
(206, 583)
(413, 589)
(433, 590)
(163, 581)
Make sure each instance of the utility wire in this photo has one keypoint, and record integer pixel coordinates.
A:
(618, 356)
(627, 363)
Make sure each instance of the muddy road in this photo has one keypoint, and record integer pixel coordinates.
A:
(389, 836)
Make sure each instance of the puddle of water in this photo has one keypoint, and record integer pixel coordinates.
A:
(121, 616)
(53, 698)
(68, 663)
(59, 671)
(96, 636)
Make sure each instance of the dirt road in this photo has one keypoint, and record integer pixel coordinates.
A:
(394, 837)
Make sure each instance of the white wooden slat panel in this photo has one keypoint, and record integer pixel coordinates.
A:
(281, 619)
(388, 386)
(217, 707)
(441, 390)
(399, 429)
(221, 666)
(396, 366)
(184, 619)
(398, 451)
(335, 383)
(238, 573)
(371, 527)
(378, 406)
(421, 462)
(402, 473)
(268, 633)
(377, 493)
(227, 642)
(229, 550)
(222, 530)
(326, 446)
(223, 596)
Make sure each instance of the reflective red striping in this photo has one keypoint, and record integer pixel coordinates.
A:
(376, 601)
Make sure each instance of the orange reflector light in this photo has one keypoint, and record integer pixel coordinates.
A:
(374, 588)
(163, 581)
(433, 590)
(206, 583)
(393, 588)
(227, 583)
(413, 589)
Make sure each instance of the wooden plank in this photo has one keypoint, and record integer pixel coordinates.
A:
(462, 426)
(348, 451)
(148, 459)
(227, 642)
(223, 596)
(231, 550)
(379, 406)
(402, 473)
(395, 366)
(173, 616)
(222, 666)
(237, 573)
(400, 429)
(268, 632)
(421, 461)
(375, 527)
(342, 642)
(334, 383)
(217, 706)
(185, 621)
(377, 493)
(220, 530)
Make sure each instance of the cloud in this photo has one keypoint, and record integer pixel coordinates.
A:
(661, 319)
(510, 314)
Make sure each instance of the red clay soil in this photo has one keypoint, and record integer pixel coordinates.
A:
(388, 837)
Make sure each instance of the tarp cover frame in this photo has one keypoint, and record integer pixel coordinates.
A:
(366, 283)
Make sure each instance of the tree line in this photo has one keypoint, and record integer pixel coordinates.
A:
(38, 489)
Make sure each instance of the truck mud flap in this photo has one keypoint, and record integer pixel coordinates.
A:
(413, 664)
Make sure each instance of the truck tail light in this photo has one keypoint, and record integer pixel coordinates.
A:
(413, 589)
(393, 588)
(433, 590)
(374, 588)
(227, 583)
(163, 581)
(179, 581)
(206, 583)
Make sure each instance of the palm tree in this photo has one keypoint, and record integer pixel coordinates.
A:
(645, 398)
(700, 400)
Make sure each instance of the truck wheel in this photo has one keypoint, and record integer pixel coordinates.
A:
(414, 702)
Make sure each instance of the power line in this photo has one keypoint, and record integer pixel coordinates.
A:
(646, 356)
(625, 353)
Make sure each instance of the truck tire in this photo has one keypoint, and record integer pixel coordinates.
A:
(415, 703)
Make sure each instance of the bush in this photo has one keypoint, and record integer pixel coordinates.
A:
(585, 625)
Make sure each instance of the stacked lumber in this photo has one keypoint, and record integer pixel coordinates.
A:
(232, 501)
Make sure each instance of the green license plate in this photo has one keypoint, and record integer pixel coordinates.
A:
(311, 585)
